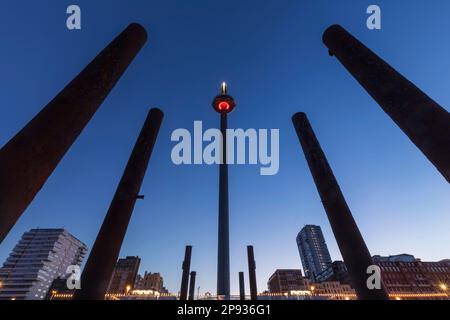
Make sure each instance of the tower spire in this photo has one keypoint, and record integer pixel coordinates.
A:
(224, 88)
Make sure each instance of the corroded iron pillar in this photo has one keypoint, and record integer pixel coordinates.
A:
(241, 286)
(29, 158)
(350, 241)
(185, 277)
(192, 285)
(425, 122)
(252, 273)
(105, 252)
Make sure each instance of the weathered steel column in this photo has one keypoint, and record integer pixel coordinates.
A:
(29, 158)
(241, 286)
(425, 122)
(350, 241)
(102, 259)
(252, 273)
(192, 285)
(185, 277)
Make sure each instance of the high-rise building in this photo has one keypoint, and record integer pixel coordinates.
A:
(41, 256)
(313, 251)
(285, 281)
(124, 276)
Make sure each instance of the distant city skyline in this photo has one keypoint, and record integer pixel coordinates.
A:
(274, 61)
(127, 274)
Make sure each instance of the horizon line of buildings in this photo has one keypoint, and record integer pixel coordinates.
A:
(36, 270)
(403, 275)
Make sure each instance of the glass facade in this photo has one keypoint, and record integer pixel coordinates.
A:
(313, 251)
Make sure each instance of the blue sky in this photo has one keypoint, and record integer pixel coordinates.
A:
(272, 56)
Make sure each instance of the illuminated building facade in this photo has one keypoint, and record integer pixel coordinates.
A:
(334, 290)
(41, 256)
(404, 276)
(407, 276)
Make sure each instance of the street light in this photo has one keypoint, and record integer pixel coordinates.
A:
(313, 290)
(128, 289)
(54, 292)
(444, 288)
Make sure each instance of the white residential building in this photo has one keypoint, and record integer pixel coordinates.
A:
(41, 256)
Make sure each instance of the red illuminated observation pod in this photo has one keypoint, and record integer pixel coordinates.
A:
(224, 103)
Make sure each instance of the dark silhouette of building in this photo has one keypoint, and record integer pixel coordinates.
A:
(124, 275)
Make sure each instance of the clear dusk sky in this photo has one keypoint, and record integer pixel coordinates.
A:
(272, 56)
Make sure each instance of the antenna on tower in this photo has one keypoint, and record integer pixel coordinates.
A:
(224, 88)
